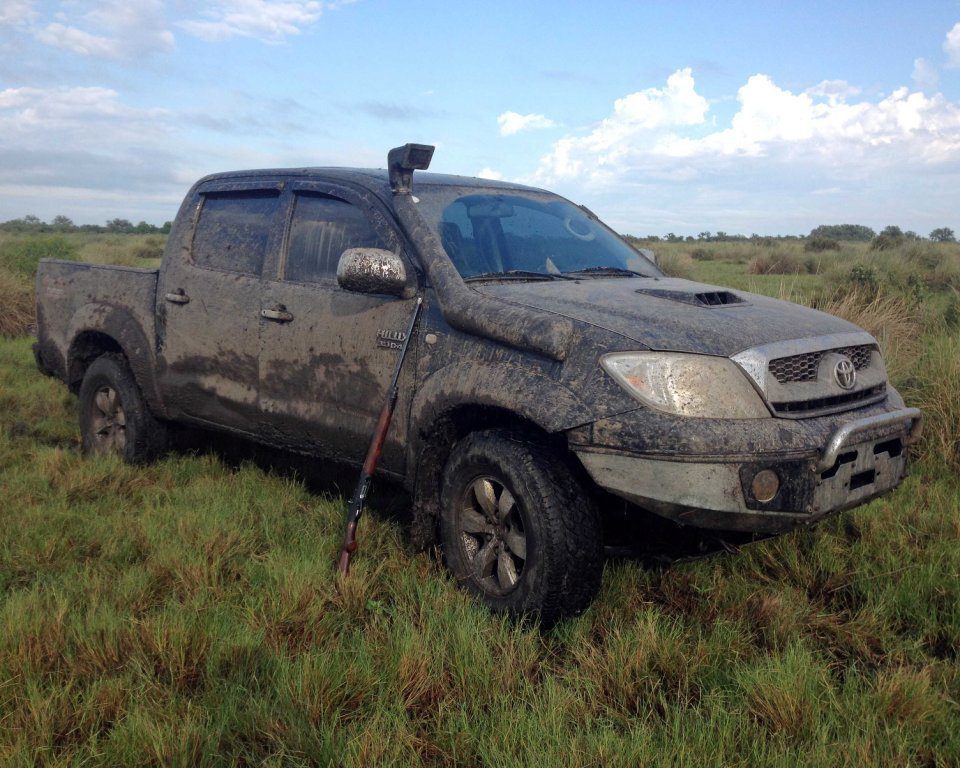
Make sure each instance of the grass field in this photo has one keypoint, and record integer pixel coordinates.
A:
(187, 613)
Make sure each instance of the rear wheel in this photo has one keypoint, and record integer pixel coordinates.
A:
(113, 415)
(517, 529)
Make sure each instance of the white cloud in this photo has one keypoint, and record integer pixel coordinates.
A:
(834, 90)
(635, 118)
(58, 102)
(90, 115)
(78, 41)
(267, 20)
(489, 173)
(651, 130)
(925, 75)
(513, 122)
(951, 46)
(55, 133)
(110, 29)
(17, 11)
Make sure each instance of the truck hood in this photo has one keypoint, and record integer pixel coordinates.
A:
(671, 314)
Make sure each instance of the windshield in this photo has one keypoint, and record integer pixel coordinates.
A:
(523, 233)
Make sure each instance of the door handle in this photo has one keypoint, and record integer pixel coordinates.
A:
(178, 297)
(278, 314)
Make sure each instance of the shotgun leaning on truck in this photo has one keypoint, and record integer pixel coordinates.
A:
(359, 498)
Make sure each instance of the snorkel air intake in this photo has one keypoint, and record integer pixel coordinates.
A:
(403, 161)
(465, 309)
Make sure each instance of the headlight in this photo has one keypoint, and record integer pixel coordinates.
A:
(687, 385)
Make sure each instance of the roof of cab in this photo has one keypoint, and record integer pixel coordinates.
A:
(375, 179)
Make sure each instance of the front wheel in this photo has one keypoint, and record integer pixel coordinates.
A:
(113, 415)
(517, 529)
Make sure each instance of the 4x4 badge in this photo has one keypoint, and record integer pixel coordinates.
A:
(845, 373)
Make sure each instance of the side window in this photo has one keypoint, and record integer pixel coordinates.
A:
(321, 230)
(234, 229)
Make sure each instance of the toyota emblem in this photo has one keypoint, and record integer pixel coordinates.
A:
(845, 373)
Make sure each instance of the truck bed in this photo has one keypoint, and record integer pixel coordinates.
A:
(76, 298)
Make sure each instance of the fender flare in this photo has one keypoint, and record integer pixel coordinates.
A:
(530, 394)
(126, 330)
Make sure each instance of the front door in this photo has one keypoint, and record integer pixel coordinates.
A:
(210, 299)
(325, 353)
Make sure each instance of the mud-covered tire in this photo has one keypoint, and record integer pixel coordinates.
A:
(562, 566)
(109, 385)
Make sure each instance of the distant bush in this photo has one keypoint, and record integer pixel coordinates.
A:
(923, 255)
(702, 254)
(886, 241)
(943, 235)
(864, 277)
(851, 232)
(22, 256)
(951, 313)
(151, 248)
(819, 244)
(776, 264)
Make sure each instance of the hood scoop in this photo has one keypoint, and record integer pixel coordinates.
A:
(702, 299)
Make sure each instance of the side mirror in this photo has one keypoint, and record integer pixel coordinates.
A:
(372, 270)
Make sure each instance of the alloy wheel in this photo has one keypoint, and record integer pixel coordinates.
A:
(109, 422)
(493, 535)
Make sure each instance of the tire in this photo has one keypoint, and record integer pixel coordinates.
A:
(113, 415)
(499, 487)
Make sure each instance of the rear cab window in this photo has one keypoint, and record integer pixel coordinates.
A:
(233, 230)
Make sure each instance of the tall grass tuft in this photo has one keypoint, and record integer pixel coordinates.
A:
(16, 304)
(890, 318)
(677, 264)
(935, 389)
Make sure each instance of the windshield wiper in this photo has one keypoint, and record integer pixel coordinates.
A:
(605, 271)
(523, 274)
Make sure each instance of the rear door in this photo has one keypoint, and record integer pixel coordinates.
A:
(211, 299)
(325, 353)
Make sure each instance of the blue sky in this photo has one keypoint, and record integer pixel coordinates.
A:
(661, 117)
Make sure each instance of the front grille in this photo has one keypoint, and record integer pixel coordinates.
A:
(804, 367)
(832, 403)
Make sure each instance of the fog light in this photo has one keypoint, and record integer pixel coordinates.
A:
(765, 485)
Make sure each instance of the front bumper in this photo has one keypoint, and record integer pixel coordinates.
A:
(860, 460)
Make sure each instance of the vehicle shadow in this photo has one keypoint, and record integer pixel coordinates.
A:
(321, 477)
(630, 533)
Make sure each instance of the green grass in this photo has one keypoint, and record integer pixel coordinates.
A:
(187, 613)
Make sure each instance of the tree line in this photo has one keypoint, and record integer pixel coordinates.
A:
(845, 232)
(65, 224)
(840, 232)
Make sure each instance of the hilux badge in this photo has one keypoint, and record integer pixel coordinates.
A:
(390, 339)
(845, 373)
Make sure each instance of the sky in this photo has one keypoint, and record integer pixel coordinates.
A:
(742, 117)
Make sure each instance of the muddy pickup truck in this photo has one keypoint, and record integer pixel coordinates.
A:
(553, 367)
